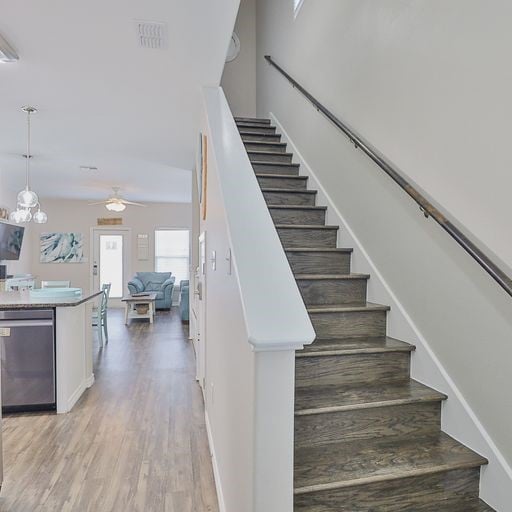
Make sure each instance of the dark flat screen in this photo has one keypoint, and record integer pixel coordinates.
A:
(11, 238)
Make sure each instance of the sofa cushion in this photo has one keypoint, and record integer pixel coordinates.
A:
(153, 281)
(135, 285)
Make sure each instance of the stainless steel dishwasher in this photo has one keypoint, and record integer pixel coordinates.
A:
(27, 340)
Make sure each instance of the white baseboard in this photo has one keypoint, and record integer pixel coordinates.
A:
(216, 472)
(458, 419)
(73, 399)
(89, 381)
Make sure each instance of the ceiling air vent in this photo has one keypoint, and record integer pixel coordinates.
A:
(152, 34)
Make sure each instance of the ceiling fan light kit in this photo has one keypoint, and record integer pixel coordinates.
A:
(115, 207)
(115, 203)
(27, 198)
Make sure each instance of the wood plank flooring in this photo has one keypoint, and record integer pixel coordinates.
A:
(136, 441)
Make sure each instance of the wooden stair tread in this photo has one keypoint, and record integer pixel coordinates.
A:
(264, 143)
(324, 399)
(270, 135)
(347, 308)
(358, 345)
(252, 124)
(306, 226)
(289, 190)
(257, 152)
(461, 506)
(346, 464)
(296, 207)
(471, 506)
(320, 277)
(251, 120)
(282, 164)
(282, 176)
(347, 250)
(274, 163)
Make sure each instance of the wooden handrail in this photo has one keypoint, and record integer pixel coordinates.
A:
(428, 209)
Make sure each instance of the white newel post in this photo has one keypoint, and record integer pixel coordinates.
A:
(274, 430)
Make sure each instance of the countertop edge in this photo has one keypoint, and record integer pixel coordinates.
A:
(55, 304)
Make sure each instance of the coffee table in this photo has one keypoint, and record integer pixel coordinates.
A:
(130, 310)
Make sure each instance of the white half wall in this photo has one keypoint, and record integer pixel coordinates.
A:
(250, 338)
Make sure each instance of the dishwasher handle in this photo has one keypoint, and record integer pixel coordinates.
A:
(11, 324)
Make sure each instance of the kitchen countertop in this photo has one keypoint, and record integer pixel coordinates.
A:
(23, 300)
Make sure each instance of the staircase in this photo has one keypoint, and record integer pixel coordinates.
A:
(367, 436)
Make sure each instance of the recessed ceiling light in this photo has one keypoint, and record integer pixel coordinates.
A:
(7, 53)
(88, 168)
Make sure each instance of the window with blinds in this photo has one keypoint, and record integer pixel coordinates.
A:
(172, 252)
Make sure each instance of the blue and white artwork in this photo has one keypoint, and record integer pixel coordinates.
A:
(62, 248)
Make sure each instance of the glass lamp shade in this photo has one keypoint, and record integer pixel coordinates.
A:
(40, 217)
(27, 198)
(14, 216)
(115, 207)
(25, 215)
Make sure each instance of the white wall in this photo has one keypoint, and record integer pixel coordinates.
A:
(78, 216)
(229, 378)
(425, 82)
(239, 77)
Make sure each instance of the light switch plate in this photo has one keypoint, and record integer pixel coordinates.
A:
(228, 259)
(214, 260)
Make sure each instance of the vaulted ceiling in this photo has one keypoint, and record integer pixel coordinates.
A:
(104, 100)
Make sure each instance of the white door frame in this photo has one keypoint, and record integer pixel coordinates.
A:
(127, 232)
(200, 292)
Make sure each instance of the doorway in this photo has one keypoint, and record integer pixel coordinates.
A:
(111, 249)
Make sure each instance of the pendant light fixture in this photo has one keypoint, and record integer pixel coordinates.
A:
(27, 198)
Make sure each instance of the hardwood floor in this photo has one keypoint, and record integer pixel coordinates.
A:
(136, 441)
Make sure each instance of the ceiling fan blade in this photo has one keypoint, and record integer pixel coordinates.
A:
(99, 202)
(132, 203)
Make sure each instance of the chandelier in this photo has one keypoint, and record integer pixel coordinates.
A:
(27, 199)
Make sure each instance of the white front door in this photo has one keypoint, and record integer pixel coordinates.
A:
(111, 262)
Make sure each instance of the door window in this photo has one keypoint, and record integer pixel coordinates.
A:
(111, 263)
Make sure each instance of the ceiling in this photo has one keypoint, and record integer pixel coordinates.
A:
(103, 100)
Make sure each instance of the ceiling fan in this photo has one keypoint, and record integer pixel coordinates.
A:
(115, 203)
